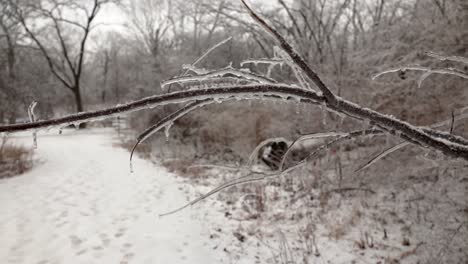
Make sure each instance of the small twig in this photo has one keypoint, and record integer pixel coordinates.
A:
(392, 149)
(241, 180)
(219, 73)
(447, 58)
(452, 123)
(202, 57)
(427, 71)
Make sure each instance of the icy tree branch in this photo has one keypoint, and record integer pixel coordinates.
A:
(427, 71)
(447, 58)
(427, 137)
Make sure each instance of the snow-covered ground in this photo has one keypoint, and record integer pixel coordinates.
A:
(81, 204)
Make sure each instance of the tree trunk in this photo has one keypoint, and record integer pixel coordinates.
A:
(79, 104)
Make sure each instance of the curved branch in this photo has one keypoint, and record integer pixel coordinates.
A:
(257, 91)
(427, 71)
(447, 58)
(404, 130)
(166, 121)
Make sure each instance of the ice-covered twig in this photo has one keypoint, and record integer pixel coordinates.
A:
(447, 58)
(262, 61)
(340, 139)
(427, 71)
(307, 137)
(219, 73)
(216, 82)
(219, 44)
(241, 180)
(192, 67)
(32, 118)
(381, 155)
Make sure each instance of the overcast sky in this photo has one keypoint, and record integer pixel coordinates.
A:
(113, 18)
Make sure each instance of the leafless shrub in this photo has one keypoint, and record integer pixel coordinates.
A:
(14, 159)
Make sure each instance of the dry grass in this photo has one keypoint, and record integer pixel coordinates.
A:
(143, 150)
(183, 168)
(14, 159)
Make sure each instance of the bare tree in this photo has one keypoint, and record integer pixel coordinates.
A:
(9, 31)
(152, 21)
(66, 55)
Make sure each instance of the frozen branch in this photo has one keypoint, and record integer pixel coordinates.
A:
(447, 58)
(167, 122)
(427, 71)
(206, 77)
(267, 88)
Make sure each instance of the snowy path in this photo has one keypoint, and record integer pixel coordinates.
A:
(81, 205)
